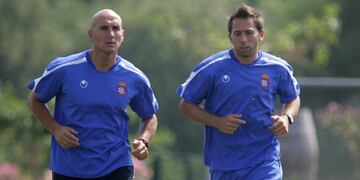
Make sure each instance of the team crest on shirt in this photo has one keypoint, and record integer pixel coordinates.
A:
(264, 82)
(225, 78)
(121, 89)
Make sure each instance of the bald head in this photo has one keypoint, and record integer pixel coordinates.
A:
(106, 32)
(104, 14)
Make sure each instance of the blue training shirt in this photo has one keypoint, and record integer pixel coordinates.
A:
(228, 87)
(94, 104)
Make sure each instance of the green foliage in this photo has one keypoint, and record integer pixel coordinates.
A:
(305, 41)
(20, 34)
(343, 123)
(344, 57)
(21, 134)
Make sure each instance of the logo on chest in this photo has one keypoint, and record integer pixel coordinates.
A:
(121, 89)
(264, 81)
(225, 78)
(83, 84)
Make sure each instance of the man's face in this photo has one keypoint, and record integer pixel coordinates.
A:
(245, 38)
(106, 33)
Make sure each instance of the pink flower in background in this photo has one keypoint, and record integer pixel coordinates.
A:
(9, 171)
(330, 113)
(344, 122)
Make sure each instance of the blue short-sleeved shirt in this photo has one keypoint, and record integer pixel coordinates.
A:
(229, 87)
(94, 104)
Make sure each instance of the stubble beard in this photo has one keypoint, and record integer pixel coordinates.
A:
(245, 54)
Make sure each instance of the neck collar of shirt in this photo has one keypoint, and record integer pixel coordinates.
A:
(233, 58)
(89, 60)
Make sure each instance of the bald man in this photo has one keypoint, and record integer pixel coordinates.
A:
(92, 90)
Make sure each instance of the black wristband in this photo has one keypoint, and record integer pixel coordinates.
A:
(290, 119)
(145, 141)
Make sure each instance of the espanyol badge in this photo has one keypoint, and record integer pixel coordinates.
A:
(264, 82)
(121, 89)
(225, 78)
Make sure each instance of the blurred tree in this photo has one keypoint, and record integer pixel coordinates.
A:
(21, 36)
(344, 61)
(22, 139)
(303, 39)
(342, 122)
(32, 35)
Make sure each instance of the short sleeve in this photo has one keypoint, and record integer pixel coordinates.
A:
(144, 104)
(196, 87)
(289, 88)
(48, 85)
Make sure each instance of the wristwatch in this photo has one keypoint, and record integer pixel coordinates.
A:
(290, 118)
(145, 141)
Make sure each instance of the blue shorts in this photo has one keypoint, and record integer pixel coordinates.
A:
(122, 173)
(271, 170)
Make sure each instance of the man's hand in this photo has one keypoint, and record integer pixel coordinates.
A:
(230, 123)
(281, 126)
(66, 136)
(140, 150)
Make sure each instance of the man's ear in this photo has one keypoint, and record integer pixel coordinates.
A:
(229, 36)
(90, 34)
(261, 35)
(122, 35)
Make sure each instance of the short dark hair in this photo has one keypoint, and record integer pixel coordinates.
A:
(245, 12)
